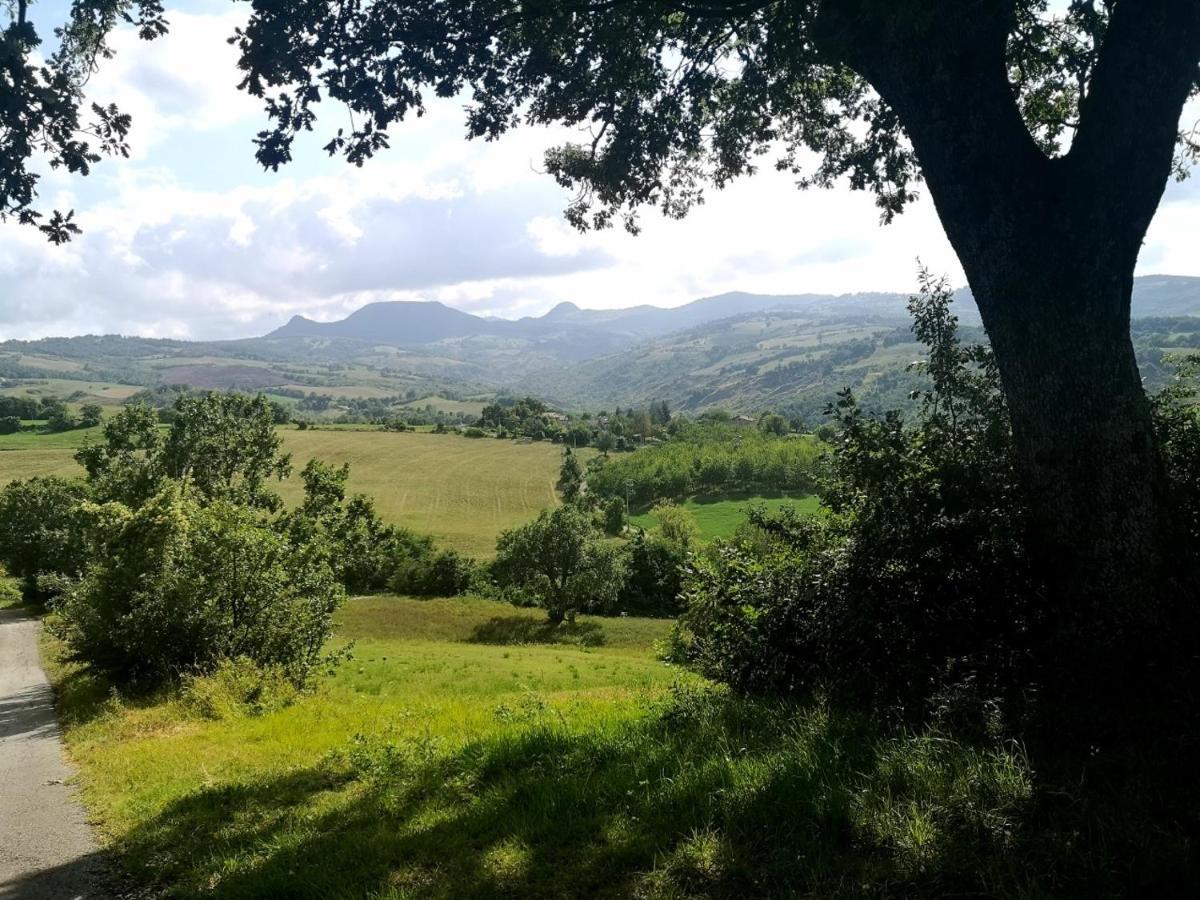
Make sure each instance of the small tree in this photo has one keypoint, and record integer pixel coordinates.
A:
(614, 516)
(773, 423)
(570, 477)
(604, 442)
(41, 531)
(676, 526)
(561, 562)
(91, 415)
(9, 425)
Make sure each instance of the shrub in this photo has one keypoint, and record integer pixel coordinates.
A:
(238, 688)
(442, 574)
(917, 581)
(9, 424)
(10, 592)
(473, 432)
(176, 587)
(91, 415)
(654, 577)
(41, 530)
(614, 516)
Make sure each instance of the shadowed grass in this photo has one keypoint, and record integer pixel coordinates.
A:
(437, 765)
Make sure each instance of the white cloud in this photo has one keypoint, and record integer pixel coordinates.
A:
(187, 239)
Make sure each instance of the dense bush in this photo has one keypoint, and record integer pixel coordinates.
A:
(445, 573)
(179, 585)
(41, 529)
(915, 587)
(367, 554)
(653, 577)
(9, 424)
(613, 513)
(709, 457)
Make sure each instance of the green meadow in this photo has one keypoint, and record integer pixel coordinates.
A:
(462, 491)
(467, 750)
(720, 516)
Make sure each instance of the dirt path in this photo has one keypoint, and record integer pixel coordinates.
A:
(46, 847)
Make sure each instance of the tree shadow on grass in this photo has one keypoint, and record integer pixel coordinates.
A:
(509, 630)
(739, 801)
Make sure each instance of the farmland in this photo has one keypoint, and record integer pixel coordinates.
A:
(463, 492)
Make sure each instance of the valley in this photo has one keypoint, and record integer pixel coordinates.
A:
(744, 353)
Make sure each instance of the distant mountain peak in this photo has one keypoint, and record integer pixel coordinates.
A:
(566, 308)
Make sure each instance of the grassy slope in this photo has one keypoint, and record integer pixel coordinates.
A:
(719, 516)
(462, 491)
(447, 761)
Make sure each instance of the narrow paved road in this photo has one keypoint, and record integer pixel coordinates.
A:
(46, 847)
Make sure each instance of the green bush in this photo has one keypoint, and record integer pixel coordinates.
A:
(614, 516)
(915, 589)
(442, 574)
(175, 587)
(10, 592)
(653, 577)
(41, 529)
(9, 424)
(238, 688)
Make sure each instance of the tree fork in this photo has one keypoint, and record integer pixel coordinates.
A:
(1049, 247)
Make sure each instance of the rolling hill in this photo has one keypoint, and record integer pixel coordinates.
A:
(745, 352)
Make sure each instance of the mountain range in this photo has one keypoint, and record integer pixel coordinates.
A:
(746, 352)
(422, 323)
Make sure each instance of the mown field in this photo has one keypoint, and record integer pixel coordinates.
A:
(463, 492)
(467, 750)
(720, 515)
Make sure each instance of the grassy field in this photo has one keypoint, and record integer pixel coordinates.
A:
(462, 491)
(93, 391)
(469, 751)
(720, 516)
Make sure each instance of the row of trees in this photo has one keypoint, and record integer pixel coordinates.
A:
(708, 457)
(51, 410)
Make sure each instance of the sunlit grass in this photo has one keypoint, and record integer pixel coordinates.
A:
(720, 515)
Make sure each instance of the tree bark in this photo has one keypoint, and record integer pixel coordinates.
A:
(1081, 423)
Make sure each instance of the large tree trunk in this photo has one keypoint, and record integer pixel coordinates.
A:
(1082, 428)
(1049, 246)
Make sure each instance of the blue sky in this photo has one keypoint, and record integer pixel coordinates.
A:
(190, 238)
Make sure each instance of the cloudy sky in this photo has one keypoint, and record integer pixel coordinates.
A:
(189, 238)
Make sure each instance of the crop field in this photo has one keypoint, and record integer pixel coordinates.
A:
(721, 515)
(462, 491)
(103, 392)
